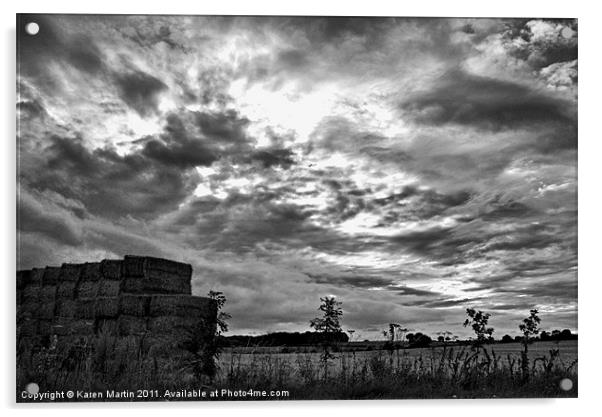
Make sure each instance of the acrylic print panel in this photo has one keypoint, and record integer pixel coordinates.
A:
(218, 208)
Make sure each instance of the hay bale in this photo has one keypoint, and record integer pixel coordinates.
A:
(128, 346)
(133, 285)
(36, 276)
(68, 327)
(70, 272)
(155, 276)
(106, 307)
(134, 266)
(45, 327)
(131, 325)
(167, 282)
(27, 328)
(66, 308)
(156, 284)
(47, 293)
(23, 278)
(158, 345)
(85, 308)
(31, 294)
(172, 325)
(170, 267)
(109, 288)
(66, 289)
(107, 326)
(46, 310)
(29, 309)
(91, 272)
(134, 305)
(51, 275)
(111, 269)
(183, 306)
(137, 266)
(87, 289)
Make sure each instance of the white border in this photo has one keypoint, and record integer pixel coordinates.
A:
(589, 197)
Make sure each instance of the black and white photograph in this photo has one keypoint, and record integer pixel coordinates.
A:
(281, 208)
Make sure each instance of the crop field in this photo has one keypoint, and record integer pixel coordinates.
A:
(492, 371)
(496, 370)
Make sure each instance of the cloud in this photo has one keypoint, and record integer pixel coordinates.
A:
(140, 91)
(48, 219)
(274, 156)
(54, 44)
(467, 99)
(107, 183)
(411, 166)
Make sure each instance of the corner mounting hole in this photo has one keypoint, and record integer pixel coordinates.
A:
(566, 384)
(32, 28)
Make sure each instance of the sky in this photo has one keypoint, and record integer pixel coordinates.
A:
(410, 167)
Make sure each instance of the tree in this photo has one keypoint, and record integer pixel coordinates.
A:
(330, 320)
(351, 333)
(222, 317)
(530, 328)
(329, 324)
(478, 321)
(566, 334)
(507, 339)
(393, 327)
(420, 340)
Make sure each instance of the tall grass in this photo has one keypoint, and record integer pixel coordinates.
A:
(105, 362)
(449, 373)
(109, 363)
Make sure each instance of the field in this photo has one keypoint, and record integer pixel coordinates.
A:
(441, 372)
(494, 371)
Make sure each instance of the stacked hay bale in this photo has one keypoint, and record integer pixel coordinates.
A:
(145, 303)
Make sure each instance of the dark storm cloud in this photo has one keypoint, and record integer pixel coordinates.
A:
(443, 303)
(179, 146)
(33, 216)
(140, 91)
(377, 179)
(261, 221)
(147, 36)
(180, 154)
(136, 88)
(351, 280)
(31, 108)
(227, 126)
(497, 210)
(413, 203)
(108, 183)
(274, 157)
(405, 290)
(541, 52)
(193, 139)
(486, 103)
(51, 44)
(434, 241)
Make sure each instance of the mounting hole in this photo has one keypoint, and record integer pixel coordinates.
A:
(32, 28)
(566, 384)
(567, 33)
(32, 388)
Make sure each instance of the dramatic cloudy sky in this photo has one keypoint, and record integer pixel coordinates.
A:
(411, 167)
